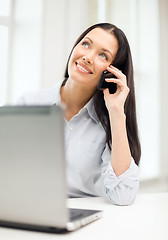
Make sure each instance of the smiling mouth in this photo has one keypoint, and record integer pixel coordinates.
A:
(83, 68)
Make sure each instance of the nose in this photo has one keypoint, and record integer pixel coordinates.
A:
(88, 59)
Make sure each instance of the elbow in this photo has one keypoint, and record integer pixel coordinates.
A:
(122, 197)
(124, 200)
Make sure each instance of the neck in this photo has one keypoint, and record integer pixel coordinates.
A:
(75, 96)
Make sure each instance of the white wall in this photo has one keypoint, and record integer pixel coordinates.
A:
(63, 22)
(163, 87)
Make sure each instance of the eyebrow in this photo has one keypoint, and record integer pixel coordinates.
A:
(105, 50)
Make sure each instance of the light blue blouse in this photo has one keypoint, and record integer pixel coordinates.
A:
(89, 170)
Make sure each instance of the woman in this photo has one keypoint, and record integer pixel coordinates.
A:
(102, 144)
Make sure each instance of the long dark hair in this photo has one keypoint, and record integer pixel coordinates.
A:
(122, 61)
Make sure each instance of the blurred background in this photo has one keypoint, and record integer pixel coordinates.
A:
(36, 37)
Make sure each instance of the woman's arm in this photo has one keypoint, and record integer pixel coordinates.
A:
(120, 152)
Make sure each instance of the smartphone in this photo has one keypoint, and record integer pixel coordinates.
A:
(110, 85)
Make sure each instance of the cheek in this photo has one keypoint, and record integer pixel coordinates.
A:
(73, 56)
(72, 59)
(76, 53)
(100, 67)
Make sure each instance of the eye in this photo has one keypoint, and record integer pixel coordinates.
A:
(85, 44)
(103, 55)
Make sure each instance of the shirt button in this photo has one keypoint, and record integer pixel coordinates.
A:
(70, 128)
(85, 118)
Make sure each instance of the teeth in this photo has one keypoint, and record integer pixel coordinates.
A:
(82, 68)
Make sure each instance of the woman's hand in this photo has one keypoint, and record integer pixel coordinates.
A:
(115, 102)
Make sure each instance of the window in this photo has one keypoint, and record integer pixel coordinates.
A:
(21, 45)
(5, 17)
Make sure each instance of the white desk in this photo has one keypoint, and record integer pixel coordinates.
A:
(146, 219)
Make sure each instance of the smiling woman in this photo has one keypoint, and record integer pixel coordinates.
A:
(102, 144)
(94, 53)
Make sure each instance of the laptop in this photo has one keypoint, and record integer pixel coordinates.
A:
(33, 189)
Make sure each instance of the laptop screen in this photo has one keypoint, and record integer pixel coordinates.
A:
(32, 165)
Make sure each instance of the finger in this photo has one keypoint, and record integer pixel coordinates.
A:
(106, 91)
(118, 73)
(115, 69)
(117, 81)
(120, 84)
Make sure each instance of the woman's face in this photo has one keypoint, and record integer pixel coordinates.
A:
(92, 55)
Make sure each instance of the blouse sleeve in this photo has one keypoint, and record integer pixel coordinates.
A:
(120, 190)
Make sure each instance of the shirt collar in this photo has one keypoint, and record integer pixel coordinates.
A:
(91, 110)
(58, 96)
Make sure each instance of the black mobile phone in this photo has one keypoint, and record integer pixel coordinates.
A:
(110, 85)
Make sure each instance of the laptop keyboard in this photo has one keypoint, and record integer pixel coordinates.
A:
(77, 214)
